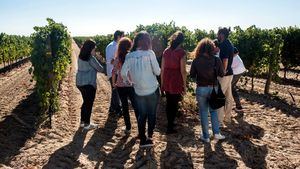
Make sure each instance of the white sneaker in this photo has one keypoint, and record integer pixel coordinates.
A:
(206, 140)
(90, 126)
(81, 125)
(219, 137)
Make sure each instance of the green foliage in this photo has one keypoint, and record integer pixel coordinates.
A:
(250, 44)
(262, 50)
(160, 34)
(50, 57)
(14, 47)
(101, 42)
(291, 47)
(79, 40)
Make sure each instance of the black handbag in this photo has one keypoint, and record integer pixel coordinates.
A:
(217, 98)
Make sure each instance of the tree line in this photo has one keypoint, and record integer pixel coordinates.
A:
(14, 48)
(262, 50)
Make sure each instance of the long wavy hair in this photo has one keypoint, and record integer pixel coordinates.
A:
(205, 47)
(124, 47)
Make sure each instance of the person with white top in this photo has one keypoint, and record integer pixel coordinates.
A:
(143, 68)
(238, 70)
(110, 51)
(86, 77)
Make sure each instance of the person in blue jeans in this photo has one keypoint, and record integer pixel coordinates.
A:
(143, 68)
(204, 68)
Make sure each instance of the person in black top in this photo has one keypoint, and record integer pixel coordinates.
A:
(226, 56)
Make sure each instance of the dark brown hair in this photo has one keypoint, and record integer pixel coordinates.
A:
(176, 39)
(86, 49)
(142, 40)
(225, 31)
(117, 34)
(124, 47)
(205, 46)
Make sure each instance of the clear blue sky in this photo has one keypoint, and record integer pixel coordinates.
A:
(91, 17)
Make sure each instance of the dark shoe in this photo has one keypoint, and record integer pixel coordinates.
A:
(147, 143)
(127, 131)
(111, 110)
(119, 113)
(171, 131)
(239, 108)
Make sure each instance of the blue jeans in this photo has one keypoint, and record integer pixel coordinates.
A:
(202, 95)
(146, 107)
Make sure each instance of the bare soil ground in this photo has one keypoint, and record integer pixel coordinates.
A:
(265, 135)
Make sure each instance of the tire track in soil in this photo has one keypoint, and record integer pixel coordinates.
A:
(38, 149)
(17, 116)
(15, 86)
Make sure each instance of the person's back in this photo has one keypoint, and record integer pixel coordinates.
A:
(238, 70)
(203, 69)
(142, 62)
(87, 72)
(237, 65)
(86, 76)
(143, 68)
(173, 81)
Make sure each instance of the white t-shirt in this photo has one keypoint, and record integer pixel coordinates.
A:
(109, 55)
(237, 65)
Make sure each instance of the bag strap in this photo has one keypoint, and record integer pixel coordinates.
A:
(215, 72)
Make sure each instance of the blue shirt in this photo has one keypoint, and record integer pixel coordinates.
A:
(226, 52)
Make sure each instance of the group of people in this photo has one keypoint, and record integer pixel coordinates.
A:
(132, 69)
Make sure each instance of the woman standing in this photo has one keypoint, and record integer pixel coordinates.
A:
(205, 67)
(143, 68)
(86, 76)
(125, 89)
(173, 77)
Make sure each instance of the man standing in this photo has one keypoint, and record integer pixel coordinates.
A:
(238, 70)
(226, 56)
(115, 104)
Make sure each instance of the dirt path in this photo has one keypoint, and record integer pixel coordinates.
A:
(17, 107)
(262, 136)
